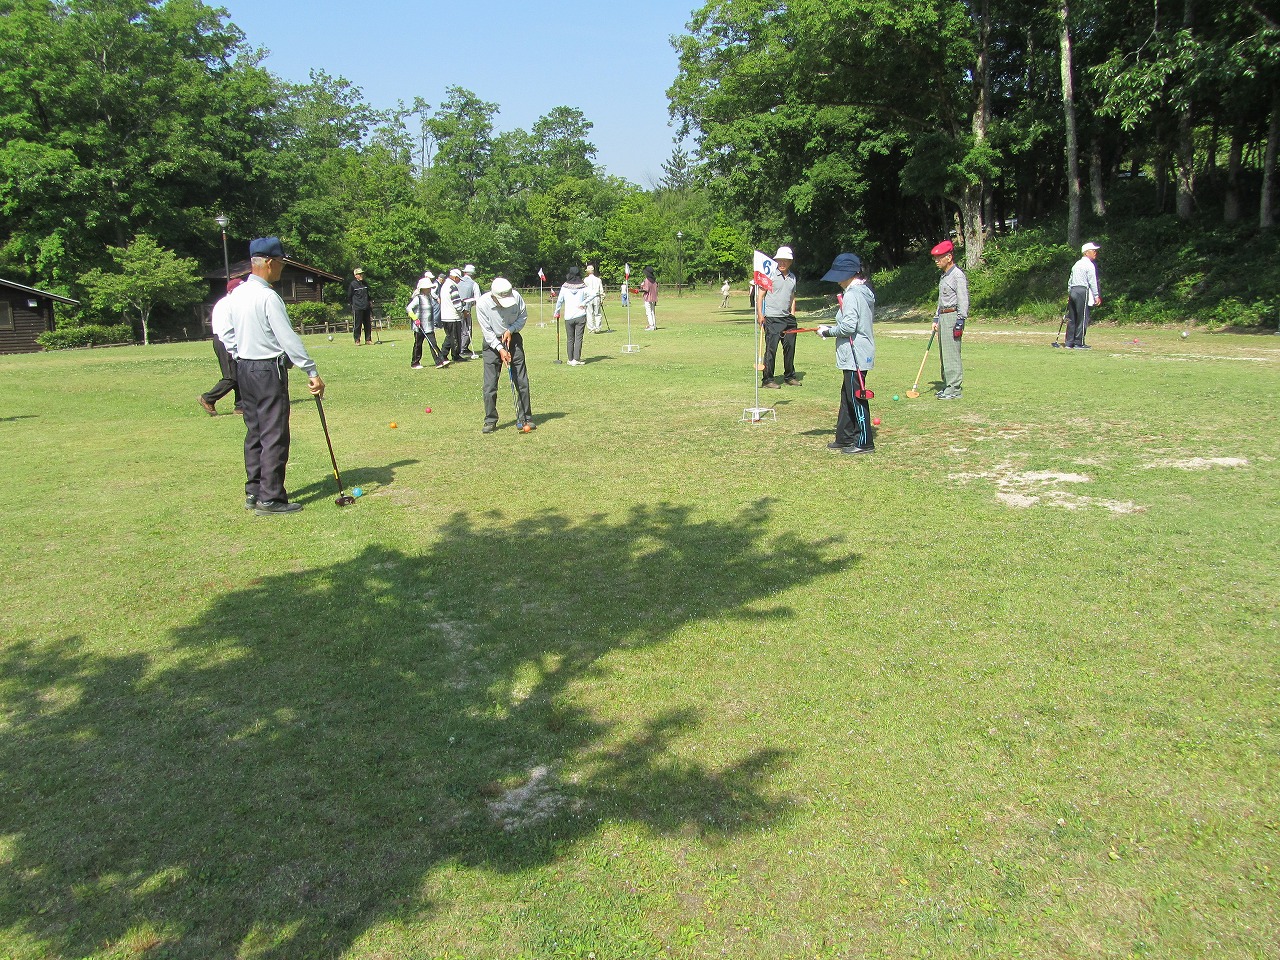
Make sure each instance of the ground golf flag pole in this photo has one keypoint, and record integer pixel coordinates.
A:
(627, 347)
(542, 278)
(762, 270)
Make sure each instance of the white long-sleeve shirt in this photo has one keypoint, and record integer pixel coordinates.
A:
(1085, 274)
(258, 328)
(495, 320)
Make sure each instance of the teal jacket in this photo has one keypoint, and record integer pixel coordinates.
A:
(855, 343)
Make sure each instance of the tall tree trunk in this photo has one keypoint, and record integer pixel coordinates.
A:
(974, 235)
(1186, 149)
(1231, 206)
(1095, 177)
(1266, 208)
(1073, 147)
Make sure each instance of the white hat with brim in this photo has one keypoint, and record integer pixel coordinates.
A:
(502, 291)
(1089, 246)
(784, 253)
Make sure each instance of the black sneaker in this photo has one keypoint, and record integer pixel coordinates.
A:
(250, 501)
(870, 449)
(488, 428)
(267, 508)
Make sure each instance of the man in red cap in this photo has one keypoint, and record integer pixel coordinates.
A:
(227, 384)
(948, 320)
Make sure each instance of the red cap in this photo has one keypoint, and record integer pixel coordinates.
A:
(233, 283)
(942, 249)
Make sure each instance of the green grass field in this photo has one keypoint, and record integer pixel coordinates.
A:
(651, 681)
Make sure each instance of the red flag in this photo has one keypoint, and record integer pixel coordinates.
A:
(542, 276)
(762, 269)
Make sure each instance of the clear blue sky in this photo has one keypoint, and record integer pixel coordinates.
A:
(613, 61)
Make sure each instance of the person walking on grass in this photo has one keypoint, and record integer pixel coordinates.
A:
(948, 320)
(421, 313)
(502, 314)
(451, 314)
(218, 321)
(358, 297)
(1083, 294)
(776, 312)
(724, 294)
(649, 290)
(571, 304)
(261, 338)
(855, 353)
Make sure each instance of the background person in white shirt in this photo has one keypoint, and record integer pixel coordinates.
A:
(1083, 294)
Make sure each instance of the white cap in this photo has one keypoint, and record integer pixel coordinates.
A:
(424, 283)
(428, 275)
(469, 268)
(1089, 246)
(455, 273)
(784, 253)
(502, 292)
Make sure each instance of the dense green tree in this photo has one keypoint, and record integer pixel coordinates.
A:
(119, 116)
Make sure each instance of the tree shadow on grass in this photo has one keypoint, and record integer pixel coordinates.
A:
(289, 769)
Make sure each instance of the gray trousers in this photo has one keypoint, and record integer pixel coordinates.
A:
(1077, 315)
(573, 330)
(949, 352)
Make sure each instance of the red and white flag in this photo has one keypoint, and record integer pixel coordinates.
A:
(626, 270)
(763, 269)
(542, 276)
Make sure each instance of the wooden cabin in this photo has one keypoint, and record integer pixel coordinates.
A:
(25, 313)
(299, 283)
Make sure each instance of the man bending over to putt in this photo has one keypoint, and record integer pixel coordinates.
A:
(502, 315)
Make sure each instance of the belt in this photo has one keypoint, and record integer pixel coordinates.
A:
(948, 309)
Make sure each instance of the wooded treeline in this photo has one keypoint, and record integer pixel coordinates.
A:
(887, 124)
(123, 118)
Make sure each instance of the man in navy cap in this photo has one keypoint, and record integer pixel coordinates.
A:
(855, 353)
(262, 340)
(948, 320)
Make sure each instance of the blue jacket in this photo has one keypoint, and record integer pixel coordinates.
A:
(855, 343)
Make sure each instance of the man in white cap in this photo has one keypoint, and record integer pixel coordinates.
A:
(502, 315)
(594, 300)
(469, 290)
(776, 312)
(1083, 294)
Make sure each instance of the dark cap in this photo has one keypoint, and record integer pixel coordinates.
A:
(942, 249)
(233, 283)
(266, 247)
(844, 266)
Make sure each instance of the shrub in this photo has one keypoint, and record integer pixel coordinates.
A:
(313, 314)
(89, 335)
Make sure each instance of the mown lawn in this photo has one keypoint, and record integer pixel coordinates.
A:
(650, 682)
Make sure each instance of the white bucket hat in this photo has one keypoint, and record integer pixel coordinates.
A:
(784, 253)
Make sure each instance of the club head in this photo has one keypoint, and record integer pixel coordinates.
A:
(912, 394)
(345, 500)
(1056, 343)
(864, 394)
(759, 366)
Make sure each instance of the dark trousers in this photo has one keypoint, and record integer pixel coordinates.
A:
(493, 373)
(573, 330)
(264, 386)
(853, 425)
(1077, 315)
(419, 335)
(452, 339)
(363, 318)
(773, 327)
(464, 330)
(228, 382)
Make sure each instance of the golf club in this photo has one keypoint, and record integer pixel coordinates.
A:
(344, 498)
(801, 330)
(1060, 326)
(915, 387)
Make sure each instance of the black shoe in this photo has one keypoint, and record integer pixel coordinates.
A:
(488, 428)
(250, 501)
(870, 449)
(1084, 346)
(838, 446)
(267, 508)
(208, 407)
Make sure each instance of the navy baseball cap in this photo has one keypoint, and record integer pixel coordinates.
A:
(844, 266)
(266, 247)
